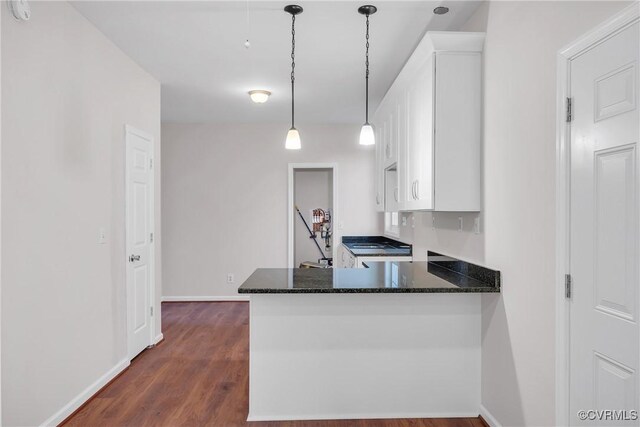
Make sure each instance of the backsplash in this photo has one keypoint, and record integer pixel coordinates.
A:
(477, 272)
(440, 232)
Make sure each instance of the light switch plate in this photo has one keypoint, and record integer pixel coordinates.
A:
(476, 225)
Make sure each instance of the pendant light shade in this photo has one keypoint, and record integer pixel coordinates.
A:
(293, 140)
(367, 137)
(293, 136)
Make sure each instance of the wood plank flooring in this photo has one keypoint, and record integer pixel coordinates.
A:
(199, 376)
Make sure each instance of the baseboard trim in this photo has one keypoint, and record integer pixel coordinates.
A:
(365, 416)
(206, 298)
(159, 338)
(488, 418)
(85, 396)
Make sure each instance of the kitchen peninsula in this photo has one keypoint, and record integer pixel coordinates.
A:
(395, 340)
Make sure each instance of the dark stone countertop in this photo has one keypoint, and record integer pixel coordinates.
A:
(374, 246)
(380, 277)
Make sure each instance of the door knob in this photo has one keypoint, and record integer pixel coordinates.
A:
(133, 258)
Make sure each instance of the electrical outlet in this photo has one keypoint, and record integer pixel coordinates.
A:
(433, 220)
(460, 223)
(230, 278)
(404, 221)
(102, 236)
(413, 221)
(476, 225)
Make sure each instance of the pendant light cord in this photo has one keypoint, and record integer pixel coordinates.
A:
(247, 20)
(293, 67)
(366, 62)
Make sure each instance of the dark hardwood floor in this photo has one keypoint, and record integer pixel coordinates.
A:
(199, 376)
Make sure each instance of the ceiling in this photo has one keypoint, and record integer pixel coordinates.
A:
(196, 50)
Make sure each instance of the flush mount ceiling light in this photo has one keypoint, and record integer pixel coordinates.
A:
(259, 96)
(367, 136)
(441, 10)
(293, 136)
(20, 9)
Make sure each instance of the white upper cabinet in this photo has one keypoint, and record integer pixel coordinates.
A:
(419, 144)
(401, 164)
(430, 129)
(379, 168)
(390, 119)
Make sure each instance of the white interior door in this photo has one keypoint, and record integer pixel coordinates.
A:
(604, 333)
(139, 213)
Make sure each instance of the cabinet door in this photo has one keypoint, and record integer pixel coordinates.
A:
(392, 199)
(419, 166)
(424, 179)
(342, 262)
(401, 108)
(458, 127)
(390, 136)
(379, 168)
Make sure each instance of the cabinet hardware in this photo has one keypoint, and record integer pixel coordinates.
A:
(395, 193)
(568, 282)
(133, 258)
(569, 110)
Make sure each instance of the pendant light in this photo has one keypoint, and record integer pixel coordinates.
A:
(367, 136)
(293, 136)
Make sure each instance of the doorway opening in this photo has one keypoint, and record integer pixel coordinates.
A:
(312, 214)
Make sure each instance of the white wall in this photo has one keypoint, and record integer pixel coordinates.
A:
(313, 189)
(67, 93)
(2, 12)
(517, 224)
(224, 200)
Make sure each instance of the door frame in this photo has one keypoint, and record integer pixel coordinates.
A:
(627, 17)
(290, 202)
(130, 130)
